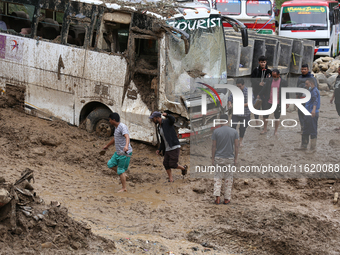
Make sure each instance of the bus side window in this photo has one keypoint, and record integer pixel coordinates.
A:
(3, 25)
(146, 54)
(114, 32)
(76, 34)
(50, 24)
(20, 18)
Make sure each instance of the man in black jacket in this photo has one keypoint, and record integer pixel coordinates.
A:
(267, 94)
(259, 76)
(169, 146)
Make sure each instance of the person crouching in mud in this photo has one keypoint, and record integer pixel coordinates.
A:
(121, 158)
(169, 146)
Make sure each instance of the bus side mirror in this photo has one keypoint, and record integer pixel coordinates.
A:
(244, 33)
(276, 23)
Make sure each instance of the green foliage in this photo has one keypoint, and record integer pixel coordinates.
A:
(279, 3)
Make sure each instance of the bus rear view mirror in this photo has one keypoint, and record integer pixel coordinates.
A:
(244, 34)
(237, 25)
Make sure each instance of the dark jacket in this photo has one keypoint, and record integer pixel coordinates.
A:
(265, 92)
(256, 76)
(169, 133)
(302, 80)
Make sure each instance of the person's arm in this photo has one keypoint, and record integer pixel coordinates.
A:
(313, 111)
(230, 100)
(236, 143)
(213, 151)
(315, 102)
(263, 90)
(109, 144)
(332, 99)
(127, 138)
(170, 118)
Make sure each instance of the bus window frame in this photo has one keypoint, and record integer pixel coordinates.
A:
(264, 15)
(91, 14)
(226, 13)
(34, 3)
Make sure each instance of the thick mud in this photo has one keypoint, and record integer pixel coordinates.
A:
(265, 216)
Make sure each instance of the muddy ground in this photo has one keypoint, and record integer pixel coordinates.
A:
(266, 216)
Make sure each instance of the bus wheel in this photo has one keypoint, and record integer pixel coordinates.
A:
(98, 121)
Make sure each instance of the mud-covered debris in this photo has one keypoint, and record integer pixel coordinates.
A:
(25, 220)
(165, 8)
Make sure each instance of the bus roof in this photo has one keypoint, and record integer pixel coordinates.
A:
(161, 9)
(308, 3)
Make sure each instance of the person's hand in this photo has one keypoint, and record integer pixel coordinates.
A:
(126, 148)
(164, 114)
(229, 105)
(313, 114)
(105, 147)
(331, 100)
(157, 152)
(261, 83)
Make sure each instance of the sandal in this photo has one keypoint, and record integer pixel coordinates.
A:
(225, 203)
(216, 202)
(185, 170)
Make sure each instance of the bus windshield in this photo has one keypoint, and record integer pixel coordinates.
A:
(259, 8)
(230, 7)
(304, 18)
(206, 59)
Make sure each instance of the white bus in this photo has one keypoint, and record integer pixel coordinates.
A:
(257, 15)
(79, 60)
(315, 20)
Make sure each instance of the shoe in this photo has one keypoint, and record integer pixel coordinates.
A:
(185, 170)
(304, 143)
(225, 203)
(258, 104)
(312, 145)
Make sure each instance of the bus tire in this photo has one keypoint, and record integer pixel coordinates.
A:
(98, 121)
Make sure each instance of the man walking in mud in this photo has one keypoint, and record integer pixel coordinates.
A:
(259, 76)
(224, 153)
(244, 118)
(267, 93)
(310, 126)
(169, 146)
(305, 74)
(121, 139)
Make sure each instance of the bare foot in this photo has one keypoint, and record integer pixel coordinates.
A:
(122, 190)
(275, 133)
(241, 144)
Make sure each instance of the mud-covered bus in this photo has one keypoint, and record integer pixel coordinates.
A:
(79, 60)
